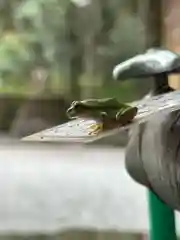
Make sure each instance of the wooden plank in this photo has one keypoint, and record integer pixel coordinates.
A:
(78, 130)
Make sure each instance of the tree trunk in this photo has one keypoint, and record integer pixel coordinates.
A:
(172, 33)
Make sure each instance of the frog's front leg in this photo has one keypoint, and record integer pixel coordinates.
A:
(74, 109)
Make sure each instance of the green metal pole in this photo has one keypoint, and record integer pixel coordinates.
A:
(162, 219)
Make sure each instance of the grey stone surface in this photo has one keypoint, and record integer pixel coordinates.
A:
(50, 188)
(46, 189)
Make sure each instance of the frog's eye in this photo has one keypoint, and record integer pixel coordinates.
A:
(104, 114)
(77, 107)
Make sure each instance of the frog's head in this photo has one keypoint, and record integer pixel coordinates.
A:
(74, 110)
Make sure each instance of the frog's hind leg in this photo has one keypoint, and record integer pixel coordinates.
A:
(126, 116)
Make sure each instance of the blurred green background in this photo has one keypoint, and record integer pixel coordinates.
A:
(68, 47)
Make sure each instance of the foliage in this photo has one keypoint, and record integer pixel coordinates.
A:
(59, 35)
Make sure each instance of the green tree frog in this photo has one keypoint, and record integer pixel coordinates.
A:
(106, 108)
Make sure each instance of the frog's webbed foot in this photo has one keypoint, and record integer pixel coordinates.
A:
(73, 109)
